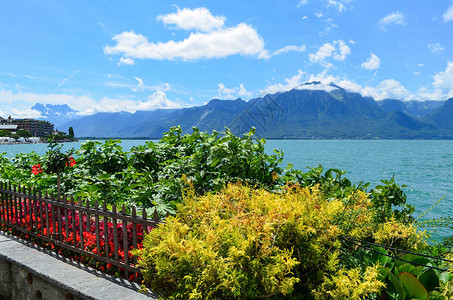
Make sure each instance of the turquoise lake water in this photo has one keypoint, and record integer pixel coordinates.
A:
(426, 167)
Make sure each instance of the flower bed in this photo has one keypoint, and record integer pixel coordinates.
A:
(25, 216)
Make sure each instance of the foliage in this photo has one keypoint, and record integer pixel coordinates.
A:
(23, 133)
(71, 132)
(249, 243)
(151, 175)
(55, 160)
(350, 284)
(390, 195)
(5, 133)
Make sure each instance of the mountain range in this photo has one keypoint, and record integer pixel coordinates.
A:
(310, 111)
(57, 114)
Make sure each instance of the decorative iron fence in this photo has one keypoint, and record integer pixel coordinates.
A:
(93, 231)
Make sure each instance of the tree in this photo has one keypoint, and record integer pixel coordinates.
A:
(71, 132)
(23, 133)
(5, 133)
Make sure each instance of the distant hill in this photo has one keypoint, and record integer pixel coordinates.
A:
(442, 118)
(119, 124)
(57, 114)
(327, 112)
(415, 109)
(310, 111)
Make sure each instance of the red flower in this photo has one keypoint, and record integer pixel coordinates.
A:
(36, 169)
(71, 162)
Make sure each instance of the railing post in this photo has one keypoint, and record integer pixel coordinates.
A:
(82, 243)
(96, 220)
(66, 221)
(40, 212)
(60, 225)
(125, 242)
(115, 232)
(74, 228)
(106, 231)
(46, 209)
(134, 232)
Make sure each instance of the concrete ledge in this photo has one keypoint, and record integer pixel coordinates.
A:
(29, 272)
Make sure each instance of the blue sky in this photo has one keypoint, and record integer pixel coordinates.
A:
(109, 55)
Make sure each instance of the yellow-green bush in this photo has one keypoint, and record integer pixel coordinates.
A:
(349, 284)
(244, 243)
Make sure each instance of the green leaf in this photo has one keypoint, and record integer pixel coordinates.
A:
(429, 279)
(413, 286)
(406, 268)
(445, 277)
(397, 286)
(417, 259)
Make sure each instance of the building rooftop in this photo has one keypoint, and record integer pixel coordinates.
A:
(8, 127)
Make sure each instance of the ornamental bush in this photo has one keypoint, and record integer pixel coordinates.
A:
(246, 243)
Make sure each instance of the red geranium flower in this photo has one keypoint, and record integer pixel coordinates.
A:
(36, 169)
(71, 162)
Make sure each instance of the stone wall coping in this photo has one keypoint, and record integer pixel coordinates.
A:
(64, 273)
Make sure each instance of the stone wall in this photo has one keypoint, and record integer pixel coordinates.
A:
(18, 283)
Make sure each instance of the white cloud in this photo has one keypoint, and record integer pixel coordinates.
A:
(243, 92)
(329, 26)
(25, 113)
(372, 63)
(224, 92)
(193, 19)
(342, 82)
(388, 89)
(343, 50)
(289, 84)
(140, 86)
(126, 61)
(18, 104)
(443, 86)
(448, 15)
(443, 81)
(338, 50)
(394, 18)
(65, 80)
(425, 94)
(324, 51)
(157, 100)
(241, 39)
(317, 87)
(302, 2)
(338, 5)
(289, 48)
(319, 14)
(436, 48)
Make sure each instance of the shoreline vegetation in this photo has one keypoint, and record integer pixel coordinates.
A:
(240, 226)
